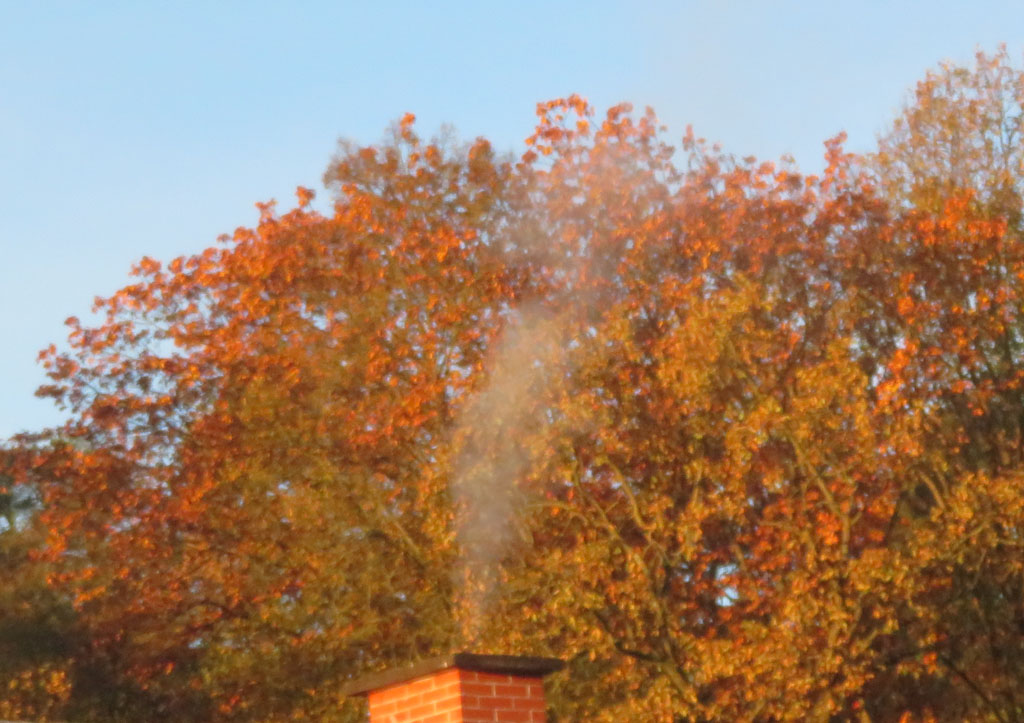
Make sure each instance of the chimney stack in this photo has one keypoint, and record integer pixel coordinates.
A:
(459, 688)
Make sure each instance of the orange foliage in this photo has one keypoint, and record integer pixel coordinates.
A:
(738, 443)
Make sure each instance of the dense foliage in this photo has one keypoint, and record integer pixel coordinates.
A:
(735, 442)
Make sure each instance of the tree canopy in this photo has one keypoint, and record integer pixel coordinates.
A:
(736, 442)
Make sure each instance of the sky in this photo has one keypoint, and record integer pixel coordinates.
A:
(131, 129)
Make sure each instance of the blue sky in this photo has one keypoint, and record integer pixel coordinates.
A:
(149, 128)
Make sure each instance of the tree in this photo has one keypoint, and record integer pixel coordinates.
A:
(708, 524)
(741, 444)
(765, 485)
(961, 132)
(950, 295)
(251, 505)
(36, 625)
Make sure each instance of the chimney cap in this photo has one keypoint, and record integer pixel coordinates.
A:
(526, 666)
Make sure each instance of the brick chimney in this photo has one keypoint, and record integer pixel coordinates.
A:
(459, 688)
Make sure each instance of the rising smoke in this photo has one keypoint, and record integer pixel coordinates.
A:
(497, 445)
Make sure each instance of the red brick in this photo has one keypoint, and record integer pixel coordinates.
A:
(386, 694)
(383, 708)
(519, 689)
(497, 702)
(421, 711)
(445, 677)
(420, 685)
(514, 716)
(460, 696)
(451, 690)
(529, 703)
(471, 688)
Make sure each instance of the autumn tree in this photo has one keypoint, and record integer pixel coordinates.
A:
(770, 480)
(710, 512)
(947, 292)
(739, 443)
(36, 624)
(249, 502)
(960, 131)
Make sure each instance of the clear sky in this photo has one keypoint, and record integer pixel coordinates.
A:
(131, 128)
